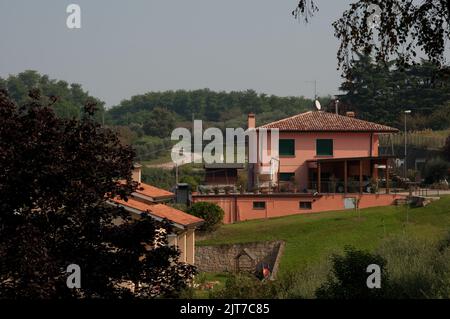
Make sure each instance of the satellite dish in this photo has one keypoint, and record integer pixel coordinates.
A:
(318, 106)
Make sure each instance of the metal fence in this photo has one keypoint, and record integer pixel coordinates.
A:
(418, 139)
(426, 192)
(336, 187)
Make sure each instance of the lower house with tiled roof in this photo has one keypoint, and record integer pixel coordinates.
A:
(151, 200)
(325, 161)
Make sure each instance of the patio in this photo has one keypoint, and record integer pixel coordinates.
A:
(349, 175)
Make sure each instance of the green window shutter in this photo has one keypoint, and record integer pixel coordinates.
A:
(286, 177)
(324, 147)
(287, 147)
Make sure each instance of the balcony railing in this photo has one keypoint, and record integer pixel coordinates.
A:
(367, 187)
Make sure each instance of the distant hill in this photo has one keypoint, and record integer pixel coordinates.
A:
(228, 109)
(71, 97)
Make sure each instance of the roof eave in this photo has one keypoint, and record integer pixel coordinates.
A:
(139, 212)
(333, 131)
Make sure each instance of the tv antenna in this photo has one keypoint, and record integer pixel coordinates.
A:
(315, 88)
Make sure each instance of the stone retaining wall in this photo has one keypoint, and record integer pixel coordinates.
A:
(234, 257)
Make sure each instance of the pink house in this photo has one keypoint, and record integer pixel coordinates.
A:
(326, 162)
(320, 148)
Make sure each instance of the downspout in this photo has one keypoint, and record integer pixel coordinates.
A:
(371, 144)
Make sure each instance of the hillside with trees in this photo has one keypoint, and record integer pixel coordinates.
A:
(375, 91)
(148, 119)
(224, 109)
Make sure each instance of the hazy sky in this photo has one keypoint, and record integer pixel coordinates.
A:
(130, 47)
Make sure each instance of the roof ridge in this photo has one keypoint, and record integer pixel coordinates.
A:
(287, 118)
(326, 121)
(360, 120)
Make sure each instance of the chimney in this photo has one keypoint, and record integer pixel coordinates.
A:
(251, 121)
(136, 174)
(350, 114)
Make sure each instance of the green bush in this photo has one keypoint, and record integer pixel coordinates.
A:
(348, 278)
(410, 268)
(210, 212)
(191, 181)
(302, 284)
(417, 268)
(243, 286)
(435, 170)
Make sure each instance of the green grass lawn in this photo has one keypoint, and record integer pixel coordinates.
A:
(311, 237)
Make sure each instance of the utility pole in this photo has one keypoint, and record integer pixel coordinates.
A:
(315, 90)
(181, 152)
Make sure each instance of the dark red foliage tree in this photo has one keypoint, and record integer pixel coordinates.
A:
(56, 176)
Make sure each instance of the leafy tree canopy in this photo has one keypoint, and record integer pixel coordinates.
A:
(229, 108)
(159, 123)
(381, 92)
(67, 99)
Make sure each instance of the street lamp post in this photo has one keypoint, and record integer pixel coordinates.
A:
(404, 161)
(181, 153)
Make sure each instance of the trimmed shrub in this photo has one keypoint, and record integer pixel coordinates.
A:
(210, 212)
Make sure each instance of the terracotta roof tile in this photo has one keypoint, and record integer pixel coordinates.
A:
(152, 191)
(161, 211)
(323, 121)
(175, 215)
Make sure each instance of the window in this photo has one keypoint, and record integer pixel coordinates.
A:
(259, 205)
(305, 205)
(324, 147)
(287, 147)
(286, 177)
